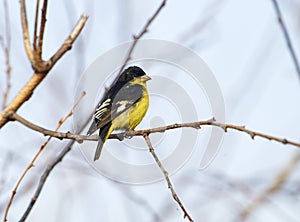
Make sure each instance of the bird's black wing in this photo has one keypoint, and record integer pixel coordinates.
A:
(125, 98)
(115, 104)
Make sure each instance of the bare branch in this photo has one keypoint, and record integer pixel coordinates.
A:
(164, 171)
(8, 78)
(35, 80)
(276, 185)
(286, 36)
(23, 95)
(67, 45)
(71, 111)
(47, 172)
(35, 36)
(7, 26)
(213, 122)
(47, 132)
(44, 177)
(31, 164)
(140, 35)
(196, 125)
(6, 49)
(42, 30)
(26, 32)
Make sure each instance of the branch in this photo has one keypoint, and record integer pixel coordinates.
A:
(26, 92)
(213, 122)
(47, 172)
(141, 33)
(31, 164)
(26, 36)
(35, 36)
(42, 30)
(44, 177)
(67, 45)
(6, 49)
(59, 135)
(79, 138)
(8, 25)
(196, 125)
(278, 182)
(166, 174)
(286, 36)
(8, 77)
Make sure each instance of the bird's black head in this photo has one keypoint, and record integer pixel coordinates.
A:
(130, 73)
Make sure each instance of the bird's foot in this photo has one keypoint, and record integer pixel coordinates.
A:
(129, 134)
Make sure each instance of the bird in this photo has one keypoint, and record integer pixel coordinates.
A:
(122, 107)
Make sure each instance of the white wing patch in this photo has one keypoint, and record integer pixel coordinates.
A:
(122, 105)
(100, 110)
(121, 108)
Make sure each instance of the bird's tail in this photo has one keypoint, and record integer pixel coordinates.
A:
(92, 128)
(104, 133)
(99, 149)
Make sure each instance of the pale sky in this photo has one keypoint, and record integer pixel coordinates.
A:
(242, 44)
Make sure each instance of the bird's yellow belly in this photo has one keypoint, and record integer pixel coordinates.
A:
(133, 116)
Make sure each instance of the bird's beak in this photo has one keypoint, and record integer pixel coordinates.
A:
(145, 78)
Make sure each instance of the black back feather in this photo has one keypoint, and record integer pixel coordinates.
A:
(127, 75)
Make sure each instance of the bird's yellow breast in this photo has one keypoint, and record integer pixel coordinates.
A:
(135, 114)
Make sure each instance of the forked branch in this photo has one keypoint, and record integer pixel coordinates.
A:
(40, 68)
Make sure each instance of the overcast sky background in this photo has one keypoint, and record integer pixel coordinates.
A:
(241, 42)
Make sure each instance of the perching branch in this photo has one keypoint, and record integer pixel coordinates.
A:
(212, 122)
(286, 36)
(31, 164)
(40, 68)
(166, 174)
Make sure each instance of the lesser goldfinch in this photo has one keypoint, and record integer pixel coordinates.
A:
(123, 106)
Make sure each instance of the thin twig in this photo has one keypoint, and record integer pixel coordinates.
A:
(42, 30)
(31, 164)
(166, 175)
(7, 26)
(8, 77)
(287, 36)
(44, 177)
(141, 33)
(6, 49)
(278, 182)
(36, 20)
